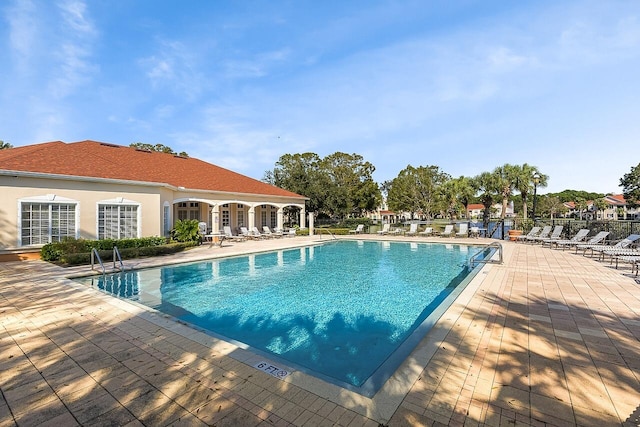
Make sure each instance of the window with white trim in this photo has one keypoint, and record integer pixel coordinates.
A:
(166, 217)
(241, 218)
(43, 222)
(226, 218)
(117, 221)
(263, 217)
(274, 219)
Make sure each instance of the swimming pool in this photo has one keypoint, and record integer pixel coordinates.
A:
(348, 311)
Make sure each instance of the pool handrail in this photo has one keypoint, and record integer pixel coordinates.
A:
(94, 255)
(490, 260)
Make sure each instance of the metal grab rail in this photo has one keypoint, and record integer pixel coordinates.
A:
(487, 260)
(116, 256)
(328, 231)
(94, 255)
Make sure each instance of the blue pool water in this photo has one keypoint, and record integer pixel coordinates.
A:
(341, 310)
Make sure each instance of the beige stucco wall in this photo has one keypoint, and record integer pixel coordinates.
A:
(86, 194)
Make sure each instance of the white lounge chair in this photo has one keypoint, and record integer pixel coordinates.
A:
(532, 233)
(463, 230)
(255, 232)
(555, 235)
(579, 237)
(246, 233)
(385, 229)
(622, 244)
(594, 241)
(622, 248)
(448, 231)
(544, 233)
(413, 229)
(230, 236)
(428, 231)
(359, 229)
(267, 232)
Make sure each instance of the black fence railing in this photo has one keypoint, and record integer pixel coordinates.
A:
(618, 229)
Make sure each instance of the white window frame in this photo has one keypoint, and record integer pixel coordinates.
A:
(119, 202)
(166, 218)
(49, 200)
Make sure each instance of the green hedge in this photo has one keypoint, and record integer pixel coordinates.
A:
(56, 251)
(128, 253)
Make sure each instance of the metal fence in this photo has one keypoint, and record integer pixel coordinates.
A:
(617, 229)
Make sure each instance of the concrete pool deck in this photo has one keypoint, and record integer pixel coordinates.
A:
(547, 338)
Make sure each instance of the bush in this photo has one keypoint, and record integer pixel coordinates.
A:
(128, 253)
(57, 251)
(186, 231)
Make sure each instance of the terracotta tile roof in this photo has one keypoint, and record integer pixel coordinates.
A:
(472, 206)
(101, 160)
(617, 199)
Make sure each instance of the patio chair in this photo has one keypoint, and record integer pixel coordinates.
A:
(579, 237)
(544, 233)
(230, 236)
(595, 240)
(622, 248)
(448, 231)
(532, 233)
(413, 229)
(267, 232)
(621, 244)
(385, 229)
(428, 231)
(290, 233)
(395, 231)
(634, 260)
(555, 235)
(258, 234)
(359, 229)
(247, 234)
(463, 230)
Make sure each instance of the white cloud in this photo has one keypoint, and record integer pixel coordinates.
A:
(23, 30)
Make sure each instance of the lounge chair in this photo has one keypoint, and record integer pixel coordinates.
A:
(532, 233)
(290, 233)
(474, 231)
(448, 231)
(385, 229)
(622, 244)
(248, 234)
(463, 230)
(555, 235)
(595, 240)
(259, 235)
(622, 248)
(267, 232)
(544, 233)
(359, 229)
(579, 237)
(634, 260)
(395, 231)
(413, 229)
(230, 236)
(428, 231)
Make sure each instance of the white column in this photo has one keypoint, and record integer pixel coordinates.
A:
(252, 217)
(215, 219)
(310, 223)
(302, 215)
(280, 218)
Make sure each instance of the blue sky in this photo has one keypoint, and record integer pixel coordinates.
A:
(464, 85)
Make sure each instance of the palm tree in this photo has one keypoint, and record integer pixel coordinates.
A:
(527, 178)
(600, 205)
(485, 184)
(505, 179)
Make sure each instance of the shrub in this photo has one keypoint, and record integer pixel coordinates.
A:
(60, 251)
(186, 231)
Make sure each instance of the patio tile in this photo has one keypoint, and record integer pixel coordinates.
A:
(554, 321)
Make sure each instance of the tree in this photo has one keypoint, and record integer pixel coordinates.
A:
(5, 145)
(456, 194)
(301, 174)
(525, 178)
(352, 188)
(505, 178)
(581, 206)
(630, 183)
(600, 204)
(157, 147)
(486, 185)
(551, 206)
(417, 190)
